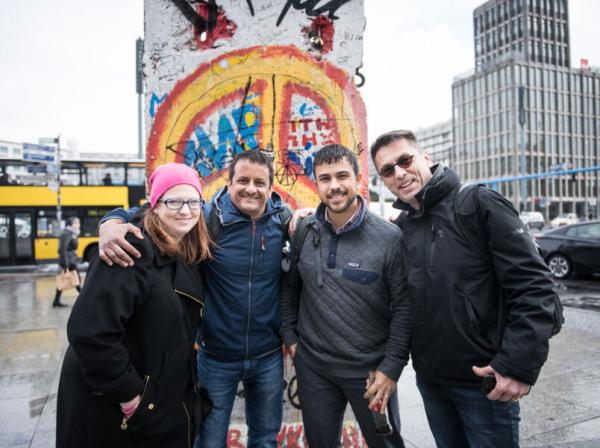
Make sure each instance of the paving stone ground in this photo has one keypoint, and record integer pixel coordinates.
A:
(563, 409)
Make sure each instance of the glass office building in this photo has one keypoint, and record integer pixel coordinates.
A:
(437, 141)
(523, 110)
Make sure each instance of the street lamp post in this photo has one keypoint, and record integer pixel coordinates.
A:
(139, 88)
(522, 167)
(56, 141)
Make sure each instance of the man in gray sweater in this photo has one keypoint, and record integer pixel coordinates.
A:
(344, 309)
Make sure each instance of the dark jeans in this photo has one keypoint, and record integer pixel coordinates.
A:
(462, 417)
(324, 399)
(263, 384)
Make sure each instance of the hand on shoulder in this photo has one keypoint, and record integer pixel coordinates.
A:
(113, 245)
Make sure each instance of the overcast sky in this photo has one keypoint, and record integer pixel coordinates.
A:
(68, 66)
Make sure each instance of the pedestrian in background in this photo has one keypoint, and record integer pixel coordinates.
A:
(67, 254)
(129, 375)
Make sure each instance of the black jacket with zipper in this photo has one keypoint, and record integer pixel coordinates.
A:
(467, 312)
(132, 332)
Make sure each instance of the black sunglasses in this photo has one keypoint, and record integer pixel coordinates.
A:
(403, 162)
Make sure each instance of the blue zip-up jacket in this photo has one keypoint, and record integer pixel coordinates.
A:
(241, 281)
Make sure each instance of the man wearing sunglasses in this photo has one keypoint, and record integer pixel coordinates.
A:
(474, 316)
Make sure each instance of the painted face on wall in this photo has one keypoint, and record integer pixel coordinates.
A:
(180, 221)
(404, 170)
(250, 188)
(337, 186)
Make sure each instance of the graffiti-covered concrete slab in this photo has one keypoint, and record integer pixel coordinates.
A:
(277, 76)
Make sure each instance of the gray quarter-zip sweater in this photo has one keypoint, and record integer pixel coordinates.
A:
(345, 301)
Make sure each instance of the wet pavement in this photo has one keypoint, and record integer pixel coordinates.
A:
(563, 409)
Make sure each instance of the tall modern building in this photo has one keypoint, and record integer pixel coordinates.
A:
(437, 141)
(525, 111)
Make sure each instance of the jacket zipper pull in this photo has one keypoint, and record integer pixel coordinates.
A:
(124, 424)
(433, 232)
(262, 242)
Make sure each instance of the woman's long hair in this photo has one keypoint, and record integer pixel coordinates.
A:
(194, 247)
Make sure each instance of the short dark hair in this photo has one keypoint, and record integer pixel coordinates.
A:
(253, 156)
(390, 137)
(334, 153)
(71, 220)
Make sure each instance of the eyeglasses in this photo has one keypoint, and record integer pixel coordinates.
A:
(403, 162)
(177, 204)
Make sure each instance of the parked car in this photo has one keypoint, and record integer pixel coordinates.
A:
(564, 220)
(533, 220)
(571, 249)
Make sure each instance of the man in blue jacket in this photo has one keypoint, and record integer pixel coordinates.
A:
(240, 340)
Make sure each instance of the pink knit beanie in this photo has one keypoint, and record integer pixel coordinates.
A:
(169, 175)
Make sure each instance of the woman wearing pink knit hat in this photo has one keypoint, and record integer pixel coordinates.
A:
(129, 377)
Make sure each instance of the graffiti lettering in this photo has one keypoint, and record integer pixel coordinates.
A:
(234, 437)
(311, 9)
(155, 101)
(250, 7)
(359, 148)
(291, 435)
(237, 132)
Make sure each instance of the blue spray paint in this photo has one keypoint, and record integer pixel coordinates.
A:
(231, 140)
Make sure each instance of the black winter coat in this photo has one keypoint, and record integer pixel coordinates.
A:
(67, 249)
(132, 332)
(467, 312)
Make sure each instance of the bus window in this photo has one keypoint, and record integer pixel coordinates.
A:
(12, 172)
(91, 219)
(96, 173)
(70, 174)
(136, 175)
(47, 226)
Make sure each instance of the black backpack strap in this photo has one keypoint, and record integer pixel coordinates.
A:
(285, 215)
(213, 223)
(468, 220)
(466, 205)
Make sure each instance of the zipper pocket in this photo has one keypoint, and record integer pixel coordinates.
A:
(189, 425)
(124, 422)
(432, 251)
(189, 296)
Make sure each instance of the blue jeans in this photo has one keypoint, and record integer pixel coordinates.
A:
(463, 417)
(263, 383)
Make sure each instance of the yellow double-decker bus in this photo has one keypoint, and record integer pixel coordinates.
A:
(29, 229)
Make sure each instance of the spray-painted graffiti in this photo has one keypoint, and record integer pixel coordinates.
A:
(312, 8)
(156, 101)
(291, 435)
(225, 76)
(208, 14)
(276, 99)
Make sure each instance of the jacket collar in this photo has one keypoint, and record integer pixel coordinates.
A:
(183, 278)
(442, 182)
(229, 213)
(320, 215)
